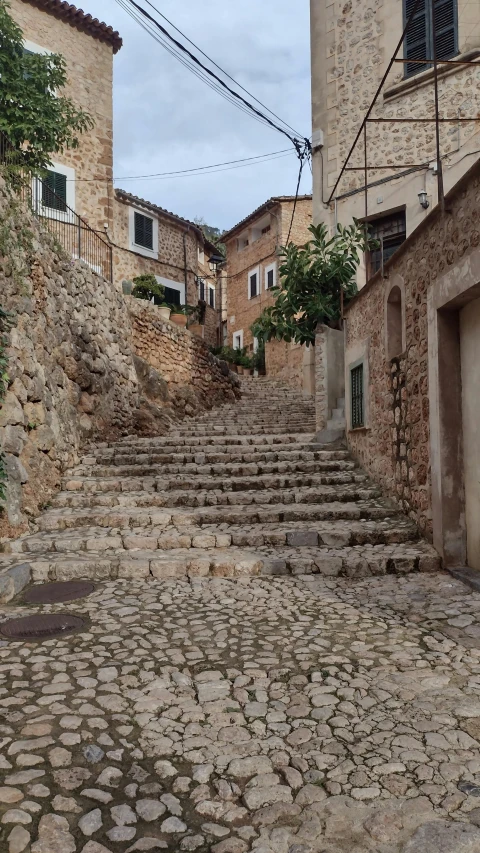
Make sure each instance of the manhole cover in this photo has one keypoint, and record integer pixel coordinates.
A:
(56, 593)
(41, 627)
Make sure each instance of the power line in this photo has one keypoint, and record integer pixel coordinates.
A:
(299, 145)
(190, 66)
(225, 73)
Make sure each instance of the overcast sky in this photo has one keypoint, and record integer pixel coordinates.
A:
(167, 119)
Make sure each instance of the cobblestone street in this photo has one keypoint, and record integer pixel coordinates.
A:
(273, 661)
(294, 714)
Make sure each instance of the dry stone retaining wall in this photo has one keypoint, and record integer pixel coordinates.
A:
(73, 371)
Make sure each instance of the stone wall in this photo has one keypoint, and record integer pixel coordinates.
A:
(74, 373)
(195, 378)
(285, 361)
(90, 85)
(329, 372)
(394, 445)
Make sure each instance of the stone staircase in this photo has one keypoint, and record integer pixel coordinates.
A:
(241, 490)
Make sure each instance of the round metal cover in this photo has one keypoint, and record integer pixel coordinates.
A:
(41, 627)
(57, 593)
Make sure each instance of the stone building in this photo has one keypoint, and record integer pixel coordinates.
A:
(82, 177)
(148, 239)
(252, 271)
(412, 369)
(352, 44)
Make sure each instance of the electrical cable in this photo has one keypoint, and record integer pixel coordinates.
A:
(145, 26)
(297, 143)
(246, 160)
(302, 161)
(225, 73)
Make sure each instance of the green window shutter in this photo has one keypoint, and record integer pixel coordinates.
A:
(143, 231)
(446, 28)
(416, 43)
(54, 191)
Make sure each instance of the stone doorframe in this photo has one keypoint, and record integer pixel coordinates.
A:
(451, 292)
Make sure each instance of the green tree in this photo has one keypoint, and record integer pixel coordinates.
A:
(147, 287)
(312, 278)
(211, 233)
(33, 113)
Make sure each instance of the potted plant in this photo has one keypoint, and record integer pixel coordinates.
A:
(147, 287)
(164, 310)
(247, 364)
(179, 315)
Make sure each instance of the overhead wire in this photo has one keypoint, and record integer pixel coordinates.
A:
(299, 144)
(225, 73)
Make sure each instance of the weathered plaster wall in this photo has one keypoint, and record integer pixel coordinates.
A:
(395, 444)
(285, 361)
(90, 81)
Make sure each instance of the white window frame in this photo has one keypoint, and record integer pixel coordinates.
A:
(174, 285)
(36, 48)
(240, 335)
(255, 345)
(255, 271)
(201, 256)
(141, 250)
(211, 288)
(266, 271)
(37, 193)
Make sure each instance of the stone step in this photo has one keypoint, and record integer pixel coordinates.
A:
(223, 469)
(221, 514)
(185, 525)
(221, 454)
(198, 482)
(135, 444)
(304, 494)
(352, 562)
(246, 429)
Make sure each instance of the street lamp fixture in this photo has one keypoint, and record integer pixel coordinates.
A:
(422, 197)
(215, 261)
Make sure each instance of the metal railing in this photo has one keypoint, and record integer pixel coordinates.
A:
(72, 232)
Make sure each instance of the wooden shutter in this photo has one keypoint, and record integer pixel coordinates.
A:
(253, 285)
(143, 231)
(54, 191)
(416, 44)
(445, 28)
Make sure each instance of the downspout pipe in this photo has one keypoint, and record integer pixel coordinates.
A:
(185, 233)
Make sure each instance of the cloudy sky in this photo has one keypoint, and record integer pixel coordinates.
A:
(166, 119)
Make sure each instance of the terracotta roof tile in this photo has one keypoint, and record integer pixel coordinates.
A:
(81, 20)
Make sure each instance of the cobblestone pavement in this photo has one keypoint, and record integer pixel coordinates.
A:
(284, 715)
(271, 660)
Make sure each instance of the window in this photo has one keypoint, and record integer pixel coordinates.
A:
(266, 229)
(172, 297)
(201, 289)
(242, 243)
(143, 231)
(238, 340)
(254, 283)
(54, 191)
(390, 231)
(357, 402)
(270, 276)
(419, 40)
(211, 297)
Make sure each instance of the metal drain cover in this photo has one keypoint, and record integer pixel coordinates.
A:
(41, 627)
(56, 593)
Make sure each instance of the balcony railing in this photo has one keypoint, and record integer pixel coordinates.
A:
(72, 232)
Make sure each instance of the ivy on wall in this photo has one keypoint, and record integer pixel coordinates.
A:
(5, 326)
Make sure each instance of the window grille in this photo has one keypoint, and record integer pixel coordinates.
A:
(357, 397)
(253, 285)
(389, 230)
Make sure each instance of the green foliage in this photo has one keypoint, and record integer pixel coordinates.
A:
(34, 115)
(147, 287)
(312, 278)
(259, 356)
(211, 233)
(6, 322)
(233, 356)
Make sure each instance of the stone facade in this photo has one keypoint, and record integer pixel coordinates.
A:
(90, 84)
(74, 370)
(411, 439)
(352, 43)
(261, 253)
